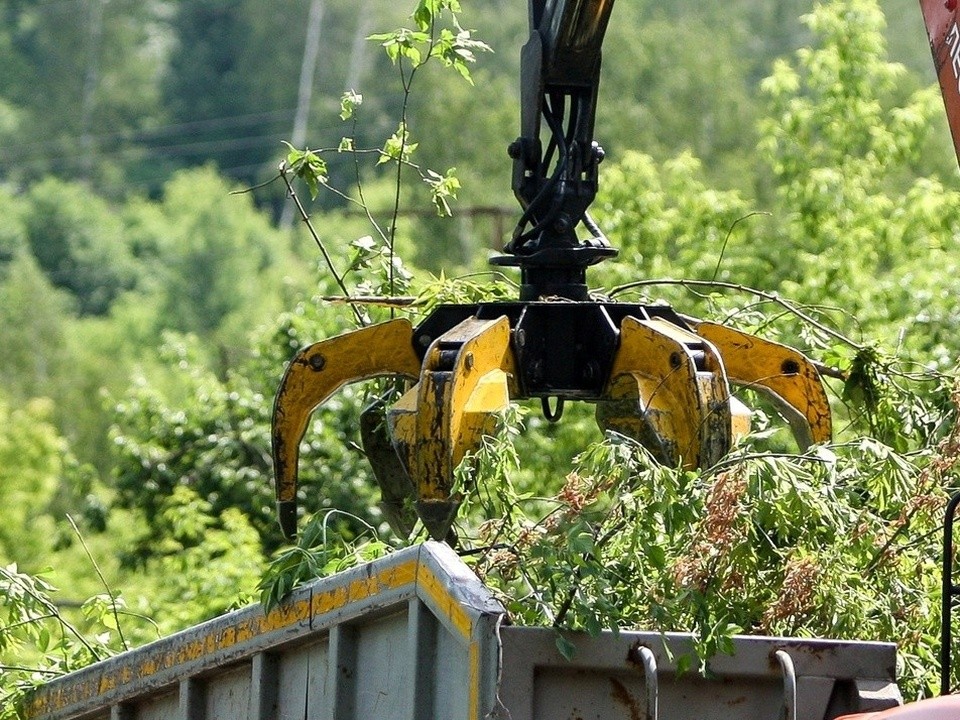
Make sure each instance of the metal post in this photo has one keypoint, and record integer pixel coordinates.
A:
(308, 67)
(948, 592)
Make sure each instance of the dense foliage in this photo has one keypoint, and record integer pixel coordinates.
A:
(148, 307)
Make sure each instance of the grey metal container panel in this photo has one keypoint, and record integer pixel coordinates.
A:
(410, 636)
(607, 680)
(162, 707)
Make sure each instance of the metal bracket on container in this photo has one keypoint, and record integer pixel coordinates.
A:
(789, 684)
(650, 675)
(949, 591)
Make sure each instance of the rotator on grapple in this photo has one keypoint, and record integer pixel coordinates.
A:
(653, 375)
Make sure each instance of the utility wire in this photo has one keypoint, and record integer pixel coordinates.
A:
(69, 149)
(148, 134)
(144, 152)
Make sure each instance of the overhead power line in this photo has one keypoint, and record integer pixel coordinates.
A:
(73, 152)
(52, 146)
(78, 153)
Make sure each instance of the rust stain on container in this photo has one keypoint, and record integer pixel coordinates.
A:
(622, 695)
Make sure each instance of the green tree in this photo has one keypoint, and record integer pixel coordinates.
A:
(668, 221)
(848, 214)
(13, 236)
(209, 83)
(31, 463)
(202, 564)
(78, 241)
(96, 63)
(854, 213)
(49, 351)
(661, 102)
(32, 318)
(216, 265)
(213, 437)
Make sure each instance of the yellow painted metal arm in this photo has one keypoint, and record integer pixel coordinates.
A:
(783, 374)
(466, 380)
(314, 374)
(668, 391)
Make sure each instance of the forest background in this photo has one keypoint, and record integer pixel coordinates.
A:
(147, 309)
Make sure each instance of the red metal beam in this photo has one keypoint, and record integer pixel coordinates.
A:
(941, 18)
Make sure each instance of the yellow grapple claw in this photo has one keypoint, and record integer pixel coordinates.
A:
(464, 383)
(667, 390)
(654, 375)
(784, 375)
(314, 374)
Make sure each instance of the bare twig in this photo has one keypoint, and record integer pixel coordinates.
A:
(106, 585)
(21, 668)
(767, 296)
(380, 300)
(316, 238)
(723, 248)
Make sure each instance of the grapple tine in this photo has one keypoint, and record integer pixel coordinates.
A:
(668, 391)
(465, 381)
(396, 489)
(314, 374)
(783, 374)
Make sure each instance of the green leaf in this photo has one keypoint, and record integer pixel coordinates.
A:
(657, 556)
(443, 188)
(593, 626)
(43, 640)
(396, 147)
(403, 43)
(565, 647)
(365, 243)
(349, 102)
(424, 13)
(309, 167)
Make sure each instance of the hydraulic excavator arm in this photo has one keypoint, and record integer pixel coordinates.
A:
(652, 375)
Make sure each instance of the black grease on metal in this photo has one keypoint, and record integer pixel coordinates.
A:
(591, 371)
(446, 358)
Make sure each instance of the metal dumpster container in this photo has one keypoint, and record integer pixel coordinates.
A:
(416, 636)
